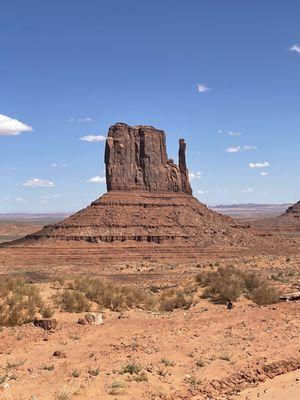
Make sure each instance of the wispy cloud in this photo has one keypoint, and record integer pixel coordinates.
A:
(195, 175)
(202, 88)
(296, 48)
(234, 133)
(233, 149)
(21, 200)
(12, 127)
(37, 182)
(93, 138)
(259, 165)
(236, 149)
(264, 173)
(54, 165)
(248, 190)
(249, 147)
(202, 191)
(97, 179)
(53, 196)
(80, 119)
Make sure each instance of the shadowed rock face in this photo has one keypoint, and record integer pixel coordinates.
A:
(294, 210)
(136, 159)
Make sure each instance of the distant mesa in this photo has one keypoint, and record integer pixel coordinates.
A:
(148, 203)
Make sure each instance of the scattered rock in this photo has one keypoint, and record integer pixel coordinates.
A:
(91, 319)
(59, 354)
(290, 296)
(47, 324)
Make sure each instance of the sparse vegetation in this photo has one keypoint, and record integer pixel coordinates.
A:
(167, 363)
(172, 299)
(112, 296)
(131, 369)
(140, 377)
(48, 367)
(94, 371)
(47, 312)
(75, 373)
(72, 301)
(20, 302)
(192, 381)
(229, 283)
(116, 388)
(264, 295)
(64, 394)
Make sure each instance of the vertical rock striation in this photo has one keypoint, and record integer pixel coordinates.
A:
(136, 159)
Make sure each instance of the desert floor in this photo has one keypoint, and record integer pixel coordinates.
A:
(204, 352)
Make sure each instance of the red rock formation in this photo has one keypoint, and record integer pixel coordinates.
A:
(136, 159)
(149, 205)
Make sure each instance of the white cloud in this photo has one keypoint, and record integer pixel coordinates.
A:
(264, 173)
(234, 133)
(92, 138)
(202, 191)
(202, 88)
(37, 182)
(195, 175)
(12, 127)
(259, 165)
(80, 119)
(97, 179)
(236, 149)
(248, 190)
(233, 149)
(250, 147)
(296, 48)
(54, 165)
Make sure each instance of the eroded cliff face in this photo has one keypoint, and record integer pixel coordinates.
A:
(136, 159)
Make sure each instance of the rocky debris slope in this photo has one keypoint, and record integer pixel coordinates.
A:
(289, 222)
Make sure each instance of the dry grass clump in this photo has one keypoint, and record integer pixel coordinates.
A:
(228, 284)
(72, 301)
(20, 302)
(112, 296)
(265, 295)
(174, 299)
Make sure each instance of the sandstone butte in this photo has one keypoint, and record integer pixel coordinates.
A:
(148, 208)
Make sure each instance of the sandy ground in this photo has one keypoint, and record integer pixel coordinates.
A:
(180, 354)
(284, 387)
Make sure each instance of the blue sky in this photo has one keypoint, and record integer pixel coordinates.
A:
(221, 74)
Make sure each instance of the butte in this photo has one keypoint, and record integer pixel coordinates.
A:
(148, 211)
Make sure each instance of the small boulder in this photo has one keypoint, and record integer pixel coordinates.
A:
(91, 319)
(59, 354)
(47, 324)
